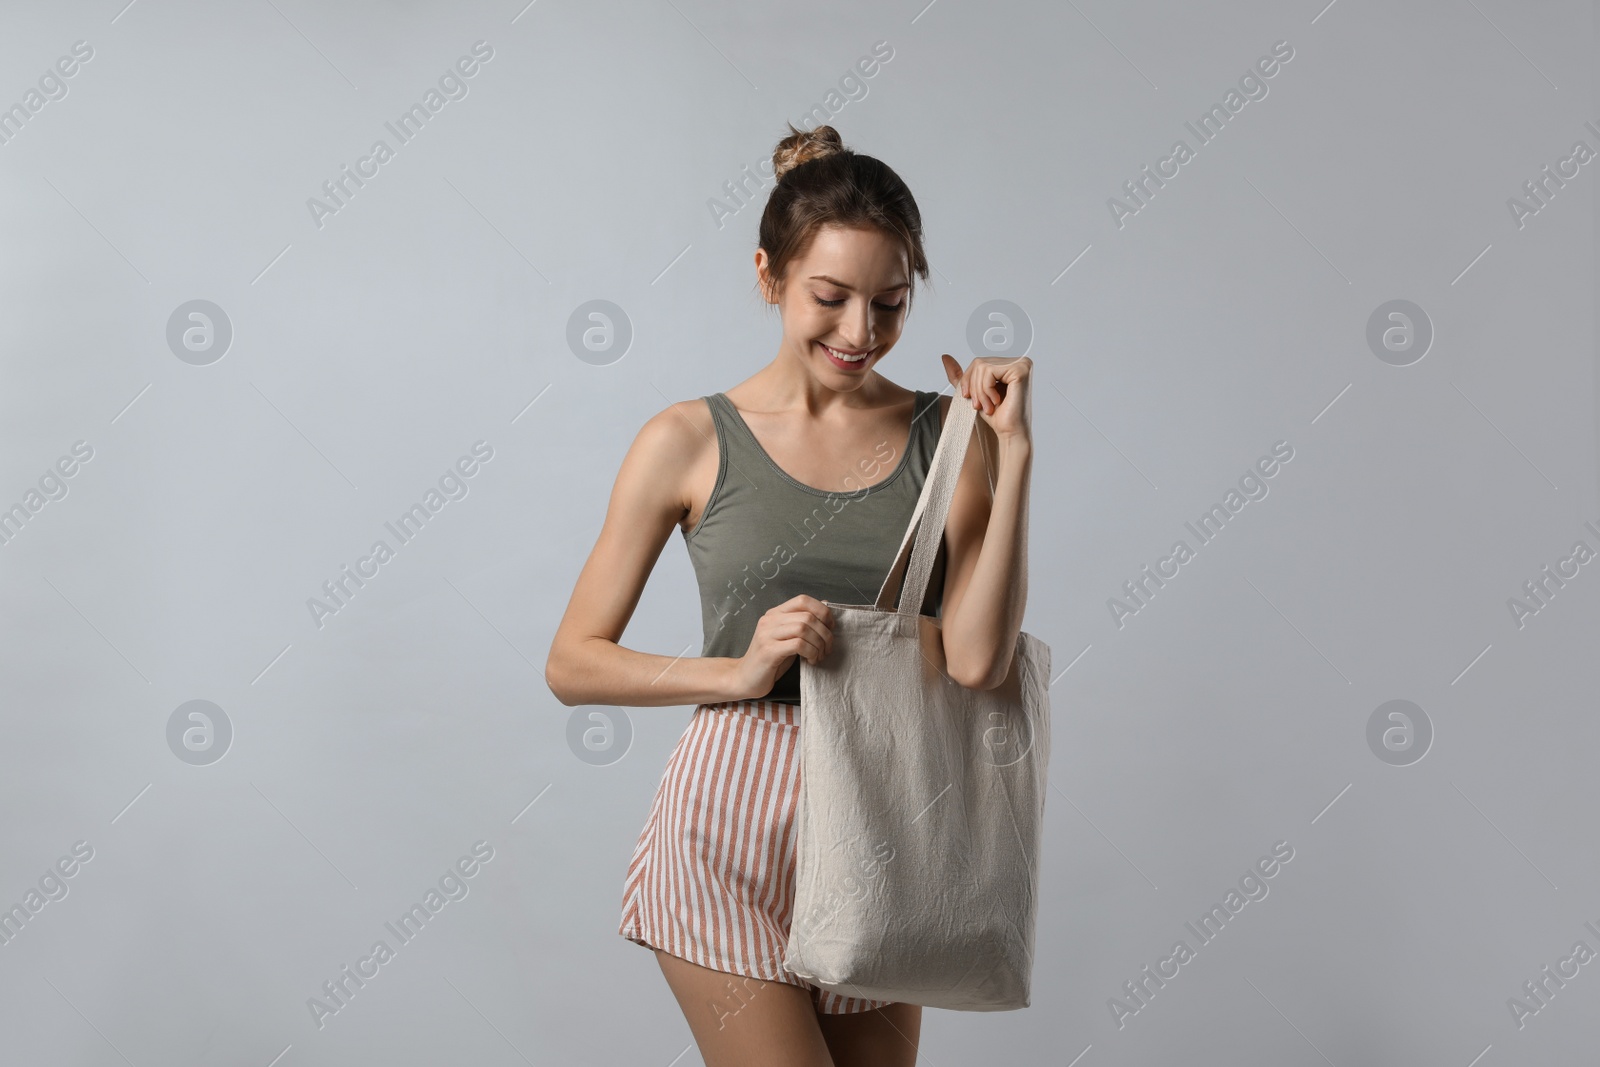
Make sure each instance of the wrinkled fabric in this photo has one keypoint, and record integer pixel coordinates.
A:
(921, 803)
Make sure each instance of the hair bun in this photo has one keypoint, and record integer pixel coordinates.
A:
(802, 146)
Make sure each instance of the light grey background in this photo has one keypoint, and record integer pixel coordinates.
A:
(431, 312)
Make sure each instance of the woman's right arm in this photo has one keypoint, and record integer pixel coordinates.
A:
(586, 665)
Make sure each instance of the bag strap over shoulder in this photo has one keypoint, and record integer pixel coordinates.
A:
(926, 528)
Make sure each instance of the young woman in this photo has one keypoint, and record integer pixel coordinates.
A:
(791, 488)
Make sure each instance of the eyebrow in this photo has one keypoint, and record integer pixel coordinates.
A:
(842, 285)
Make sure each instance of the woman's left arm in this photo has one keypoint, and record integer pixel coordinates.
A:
(986, 537)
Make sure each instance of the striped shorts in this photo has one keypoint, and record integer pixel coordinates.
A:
(712, 877)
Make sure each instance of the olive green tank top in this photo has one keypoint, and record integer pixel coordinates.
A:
(765, 538)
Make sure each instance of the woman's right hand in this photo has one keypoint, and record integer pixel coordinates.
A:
(802, 626)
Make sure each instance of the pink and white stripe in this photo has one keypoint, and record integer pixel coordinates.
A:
(712, 877)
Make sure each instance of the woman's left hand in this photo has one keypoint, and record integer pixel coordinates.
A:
(999, 389)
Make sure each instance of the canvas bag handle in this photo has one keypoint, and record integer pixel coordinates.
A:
(926, 528)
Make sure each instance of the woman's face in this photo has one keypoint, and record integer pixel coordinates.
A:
(845, 295)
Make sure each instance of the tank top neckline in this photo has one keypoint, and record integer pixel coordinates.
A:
(905, 453)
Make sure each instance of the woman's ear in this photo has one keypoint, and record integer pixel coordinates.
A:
(768, 290)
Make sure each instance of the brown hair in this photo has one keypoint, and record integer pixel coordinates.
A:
(821, 182)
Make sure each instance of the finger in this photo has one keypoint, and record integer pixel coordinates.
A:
(981, 390)
(819, 609)
(802, 602)
(827, 640)
(792, 647)
(813, 648)
(992, 387)
(816, 632)
(812, 639)
(820, 635)
(792, 636)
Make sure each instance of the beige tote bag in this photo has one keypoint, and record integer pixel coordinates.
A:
(921, 801)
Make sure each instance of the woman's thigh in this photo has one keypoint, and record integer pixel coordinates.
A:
(738, 1021)
(882, 1037)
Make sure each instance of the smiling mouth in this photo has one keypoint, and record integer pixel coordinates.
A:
(847, 357)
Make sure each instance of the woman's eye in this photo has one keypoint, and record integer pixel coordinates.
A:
(836, 303)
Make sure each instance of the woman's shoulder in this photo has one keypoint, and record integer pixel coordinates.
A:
(903, 395)
(680, 430)
(671, 456)
(936, 405)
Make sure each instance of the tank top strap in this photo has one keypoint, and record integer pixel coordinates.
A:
(926, 426)
(737, 447)
(925, 415)
(729, 423)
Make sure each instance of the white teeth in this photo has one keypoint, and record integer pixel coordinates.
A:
(848, 359)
